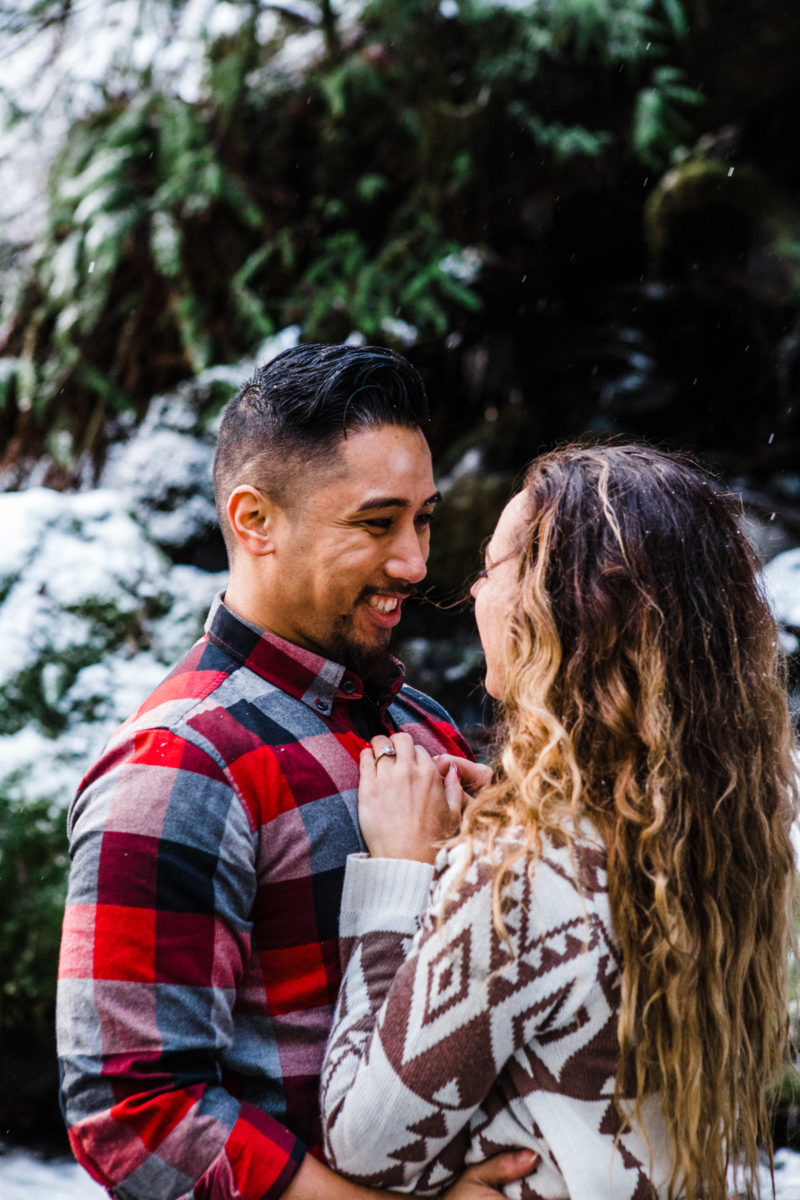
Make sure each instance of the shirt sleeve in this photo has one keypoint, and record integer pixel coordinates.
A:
(419, 1038)
(156, 939)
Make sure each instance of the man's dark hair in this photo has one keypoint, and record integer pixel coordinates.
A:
(300, 405)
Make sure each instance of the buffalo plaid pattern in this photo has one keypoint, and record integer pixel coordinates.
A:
(200, 958)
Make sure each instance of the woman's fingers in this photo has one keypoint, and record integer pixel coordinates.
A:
(456, 796)
(403, 808)
(474, 776)
(399, 746)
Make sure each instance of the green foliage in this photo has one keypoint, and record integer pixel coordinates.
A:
(659, 120)
(788, 247)
(182, 233)
(121, 299)
(33, 870)
(407, 282)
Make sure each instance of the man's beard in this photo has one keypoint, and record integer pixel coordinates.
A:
(374, 665)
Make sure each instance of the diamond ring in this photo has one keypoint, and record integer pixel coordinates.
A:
(388, 751)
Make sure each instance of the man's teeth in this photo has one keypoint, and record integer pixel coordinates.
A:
(383, 604)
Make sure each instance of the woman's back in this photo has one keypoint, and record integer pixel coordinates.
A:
(563, 988)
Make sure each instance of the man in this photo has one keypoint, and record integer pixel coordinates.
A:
(200, 960)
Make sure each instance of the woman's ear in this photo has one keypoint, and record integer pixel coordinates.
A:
(252, 516)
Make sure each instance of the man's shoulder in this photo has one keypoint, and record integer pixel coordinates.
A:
(191, 681)
(212, 721)
(219, 704)
(421, 700)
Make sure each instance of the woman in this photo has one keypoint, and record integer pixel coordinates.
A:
(600, 971)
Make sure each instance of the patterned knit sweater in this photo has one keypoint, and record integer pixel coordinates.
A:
(449, 1045)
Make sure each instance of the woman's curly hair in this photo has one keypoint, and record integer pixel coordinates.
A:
(644, 689)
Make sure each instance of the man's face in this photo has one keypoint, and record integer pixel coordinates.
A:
(354, 548)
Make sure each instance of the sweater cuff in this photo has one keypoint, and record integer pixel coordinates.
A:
(386, 894)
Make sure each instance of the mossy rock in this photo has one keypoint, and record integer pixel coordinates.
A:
(711, 221)
(466, 518)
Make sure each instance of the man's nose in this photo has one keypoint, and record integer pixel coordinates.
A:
(408, 558)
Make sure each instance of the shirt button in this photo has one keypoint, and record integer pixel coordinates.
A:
(322, 705)
(348, 687)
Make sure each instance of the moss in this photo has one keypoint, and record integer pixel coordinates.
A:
(469, 512)
(33, 873)
(705, 211)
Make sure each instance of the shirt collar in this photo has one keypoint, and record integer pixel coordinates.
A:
(310, 677)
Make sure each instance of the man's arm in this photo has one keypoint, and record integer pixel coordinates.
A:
(156, 941)
(481, 1182)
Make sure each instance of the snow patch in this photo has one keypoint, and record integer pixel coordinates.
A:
(92, 616)
(25, 1177)
(782, 584)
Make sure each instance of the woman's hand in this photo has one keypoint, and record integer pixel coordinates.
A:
(406, 806)
(474, 775)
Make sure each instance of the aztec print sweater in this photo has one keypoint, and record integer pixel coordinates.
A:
(449, 1046)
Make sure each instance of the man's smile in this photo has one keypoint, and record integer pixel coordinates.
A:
(383, 604)
(385, 607)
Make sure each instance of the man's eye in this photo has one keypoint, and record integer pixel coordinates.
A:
(425, 518)
(379, 523)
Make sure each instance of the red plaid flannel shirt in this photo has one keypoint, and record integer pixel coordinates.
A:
(200, 959)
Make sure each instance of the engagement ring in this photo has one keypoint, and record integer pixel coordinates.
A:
(389, 751)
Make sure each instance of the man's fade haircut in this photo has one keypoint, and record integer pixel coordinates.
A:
(291, 416)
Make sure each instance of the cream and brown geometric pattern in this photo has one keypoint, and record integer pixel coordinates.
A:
(452, 1044)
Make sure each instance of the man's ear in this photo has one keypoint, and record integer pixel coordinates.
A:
(253, 516)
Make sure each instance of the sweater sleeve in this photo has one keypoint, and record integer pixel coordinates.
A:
(419, 1039)
(155, 941)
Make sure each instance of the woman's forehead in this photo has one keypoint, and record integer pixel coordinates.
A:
(510, 525)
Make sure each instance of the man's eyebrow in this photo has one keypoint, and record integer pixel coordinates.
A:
(395, 502)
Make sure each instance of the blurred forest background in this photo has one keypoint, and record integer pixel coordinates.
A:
(574, 216)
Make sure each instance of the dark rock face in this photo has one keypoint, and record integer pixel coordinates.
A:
(29, 1112)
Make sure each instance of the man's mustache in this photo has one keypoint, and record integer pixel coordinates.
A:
(403, 590)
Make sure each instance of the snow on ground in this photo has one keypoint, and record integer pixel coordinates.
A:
(23, 1177)
(787, 1176)
(93, 613)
